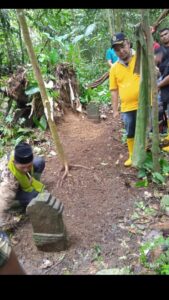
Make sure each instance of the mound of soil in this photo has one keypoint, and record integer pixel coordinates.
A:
(96, 202)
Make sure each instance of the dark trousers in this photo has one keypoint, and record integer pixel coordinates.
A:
(25, 197)
(129, 119)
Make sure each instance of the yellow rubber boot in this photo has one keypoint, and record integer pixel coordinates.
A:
(166, 139)
(130, 144)
(166, 149)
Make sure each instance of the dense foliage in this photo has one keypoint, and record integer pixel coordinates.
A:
(79, 36)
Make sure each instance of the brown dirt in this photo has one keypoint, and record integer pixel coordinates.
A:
(96, 202)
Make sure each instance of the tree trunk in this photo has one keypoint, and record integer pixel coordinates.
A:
(139, 153)
(21, 44)
(45, 100)
(148, 88)
(109, 22)
(113, 24)
(77, 46)
(152, 92)
(118, 21)
(7, 41)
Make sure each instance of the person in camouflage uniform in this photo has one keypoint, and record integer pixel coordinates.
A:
(19, 176)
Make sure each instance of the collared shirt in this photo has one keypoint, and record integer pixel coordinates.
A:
(126, 82)
(133, 52)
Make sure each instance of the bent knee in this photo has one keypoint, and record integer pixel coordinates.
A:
(39, 164)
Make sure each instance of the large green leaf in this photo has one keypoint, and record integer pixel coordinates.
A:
(164, 166)
(43, 122)
(53, 56)
(37, 123)
(148, 164)
(32, 91)
(90, 29)
(64, 37)
(24, 130)
(59, 40)
(48, 35)
(141, 173)
(42, 57)
(77, 38)
(18, 140)
(158, 178)
(142, 183)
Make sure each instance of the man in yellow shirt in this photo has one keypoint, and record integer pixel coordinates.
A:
(124, 84)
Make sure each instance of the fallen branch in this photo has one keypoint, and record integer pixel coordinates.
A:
(53, 266)
(128, 175)
(80, 166)
(99, 81)
(106, 75)
(160, 19)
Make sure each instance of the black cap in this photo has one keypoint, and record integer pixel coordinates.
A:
(118, 39)
(23, 153)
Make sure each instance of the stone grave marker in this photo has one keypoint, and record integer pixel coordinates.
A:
(93, 112)
(49, 232)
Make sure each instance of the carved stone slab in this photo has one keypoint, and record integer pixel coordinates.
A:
(49, 232)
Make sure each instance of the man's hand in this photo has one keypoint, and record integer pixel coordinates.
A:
(152, 29)
(30, 177)
(158, 87)
(114, 95)
(115, 114)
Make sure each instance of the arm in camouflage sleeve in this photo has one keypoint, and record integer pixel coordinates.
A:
(8, 189)
(9, 264)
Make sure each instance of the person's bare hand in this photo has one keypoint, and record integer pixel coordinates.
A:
(30, 177)
(152, 29)
(116, 114)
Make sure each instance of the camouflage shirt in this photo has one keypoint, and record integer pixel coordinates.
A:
(5, 248)
(8, 187)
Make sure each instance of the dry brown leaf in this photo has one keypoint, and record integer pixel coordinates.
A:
(132, 230)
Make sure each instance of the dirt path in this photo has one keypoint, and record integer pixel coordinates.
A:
(96, 202)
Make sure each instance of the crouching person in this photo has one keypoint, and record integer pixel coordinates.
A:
(19, 176)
